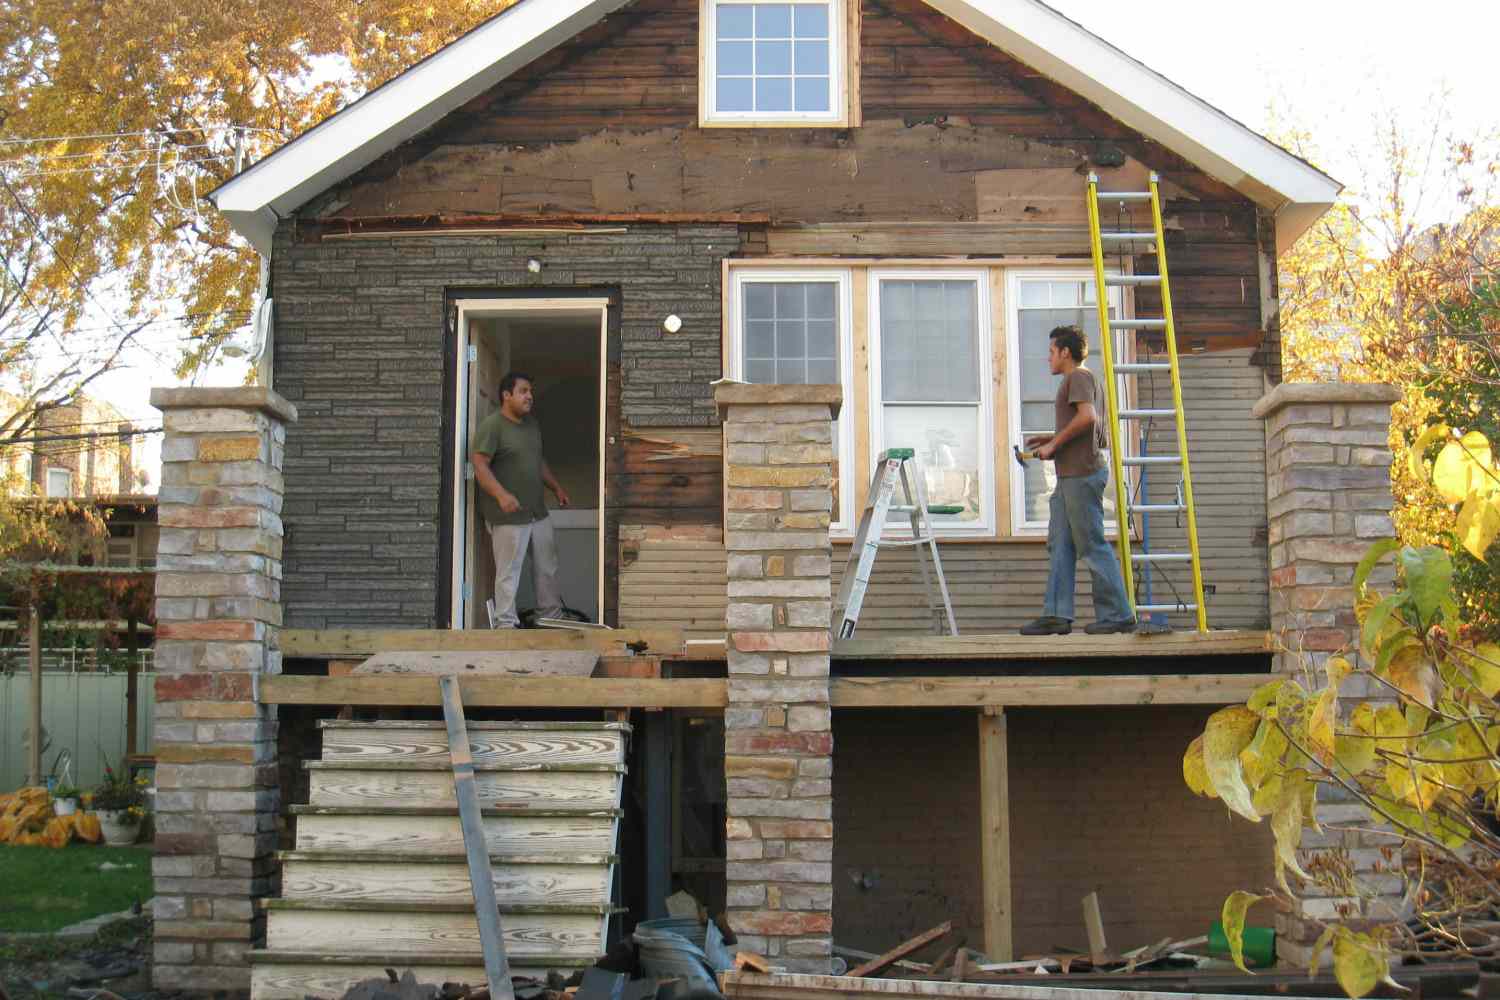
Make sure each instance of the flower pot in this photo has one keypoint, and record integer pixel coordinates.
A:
(119, 829)
(64, 807)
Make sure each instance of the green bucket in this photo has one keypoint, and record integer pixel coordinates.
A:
(1260, 944)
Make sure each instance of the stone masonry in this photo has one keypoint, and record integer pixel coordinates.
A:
(218, 587)
(1328, 490)
(778, 741)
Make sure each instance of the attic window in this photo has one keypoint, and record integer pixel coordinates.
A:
(770, 63)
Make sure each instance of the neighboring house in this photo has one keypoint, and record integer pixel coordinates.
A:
(91, 453)
(887, 195)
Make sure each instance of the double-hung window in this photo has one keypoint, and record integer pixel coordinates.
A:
(773, 62)
(793, 328)
(930, 387)
(1040, 302)
(59, 482)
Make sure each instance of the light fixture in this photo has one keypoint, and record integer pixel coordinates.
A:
(533, 265)
(672, 323)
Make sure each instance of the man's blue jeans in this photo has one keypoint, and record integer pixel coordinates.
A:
(1076, 528)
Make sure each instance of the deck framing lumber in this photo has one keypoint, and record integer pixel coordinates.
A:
(346, 644)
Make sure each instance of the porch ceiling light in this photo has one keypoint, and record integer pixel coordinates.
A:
(672, 323)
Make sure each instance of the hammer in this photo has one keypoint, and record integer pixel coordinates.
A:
(1022, 457)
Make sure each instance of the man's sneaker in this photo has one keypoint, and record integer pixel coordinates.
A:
(1048, 625)
(1110, 628)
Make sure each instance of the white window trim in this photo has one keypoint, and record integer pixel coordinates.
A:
(1020, 527)
(984, 526)
(67, 489)
(838, 87)
(842, 526)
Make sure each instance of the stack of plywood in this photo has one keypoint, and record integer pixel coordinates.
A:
(379, 879)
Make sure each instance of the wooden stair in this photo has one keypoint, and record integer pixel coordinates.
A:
(379, 878)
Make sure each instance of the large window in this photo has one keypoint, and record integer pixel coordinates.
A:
(930, 386)
(59, 482)
(769, 63)
(793, 328)
(1040, 302)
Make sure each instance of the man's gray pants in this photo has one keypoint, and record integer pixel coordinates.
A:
(510, 542)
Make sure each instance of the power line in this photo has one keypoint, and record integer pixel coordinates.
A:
(149, 132)
(89, 436)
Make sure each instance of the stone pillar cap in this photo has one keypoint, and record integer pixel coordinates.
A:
(240, 397)
(1292, 393)
(748, 394)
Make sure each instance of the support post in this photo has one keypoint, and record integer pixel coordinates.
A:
(34, 643)
(994, 837)
(132, 686)
(657, 758)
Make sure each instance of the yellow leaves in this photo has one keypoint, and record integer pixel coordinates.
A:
(1320, 725)
(1229, 731)
(1482, 666)
(1415, 457)
(1233, 919)
(1195, 771)
(1360, 961)
(1478, 524)
(1287, 820)
(1465, 468)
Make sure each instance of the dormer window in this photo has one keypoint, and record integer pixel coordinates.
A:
(774, 63)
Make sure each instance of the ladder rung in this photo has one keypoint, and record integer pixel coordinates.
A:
(905, 543)
(1145, 414)
(1157, 508)
(1135, 368)
(1124, 195)
(1166, 607)
(1137, 324)
(1161, 557)
(1132, 279)
(1152, 460)
(1128, 237)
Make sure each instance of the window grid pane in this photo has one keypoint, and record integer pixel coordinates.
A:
(773, 57)
(791, 332)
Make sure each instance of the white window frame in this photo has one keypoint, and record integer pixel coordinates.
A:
(67, 481)
(838, 58)
(1121, 303)
(984, 525)
(843, 279)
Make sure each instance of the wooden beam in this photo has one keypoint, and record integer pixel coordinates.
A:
(1093, 923)
(495, 692)
(959, 692)
(994, 834)
(348, 644)
(1227, 642)
(902, 950)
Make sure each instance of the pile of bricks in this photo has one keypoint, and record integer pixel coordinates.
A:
(218, 610)
(778, 740)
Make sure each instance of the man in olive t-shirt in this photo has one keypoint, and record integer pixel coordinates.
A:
(511, 473)
(1075, 526)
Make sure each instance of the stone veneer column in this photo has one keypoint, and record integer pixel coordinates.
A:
(218, 610)
(778, 740)
(1329, 499)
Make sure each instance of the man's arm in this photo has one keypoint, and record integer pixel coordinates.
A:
(550, 481)
(1082, 423)
(487, 482)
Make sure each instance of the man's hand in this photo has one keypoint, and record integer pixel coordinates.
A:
(1046, 451)
(1037, 440)
(508, 502)
(562, 496)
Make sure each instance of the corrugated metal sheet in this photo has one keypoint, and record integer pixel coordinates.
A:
(81, 712)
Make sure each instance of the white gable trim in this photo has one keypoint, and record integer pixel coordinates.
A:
(1027, 29)
(398, 110)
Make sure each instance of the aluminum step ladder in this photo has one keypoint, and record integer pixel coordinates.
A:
(1133, 239)
(894, 465)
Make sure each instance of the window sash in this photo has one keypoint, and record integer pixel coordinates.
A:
(980, 405)
(799, 70)
(59, 482)
(744, 279)
(1021, 523)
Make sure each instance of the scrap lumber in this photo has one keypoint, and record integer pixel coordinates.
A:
(750, 960)
(903, 949)
(857, 956)
(949, 953)
(1094, 923)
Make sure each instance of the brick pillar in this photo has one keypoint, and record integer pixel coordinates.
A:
(1329, 499)
(778, 741)
(218, 590)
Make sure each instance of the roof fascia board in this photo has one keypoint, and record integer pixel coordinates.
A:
(1152, 105)
(400, 109)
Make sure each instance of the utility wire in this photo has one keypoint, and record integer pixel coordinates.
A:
(90, 436)
(150, 132)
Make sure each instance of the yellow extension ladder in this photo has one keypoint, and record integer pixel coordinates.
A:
(1129, 237)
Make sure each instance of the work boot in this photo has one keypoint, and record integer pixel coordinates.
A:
(1048, 625)
(1110, 628)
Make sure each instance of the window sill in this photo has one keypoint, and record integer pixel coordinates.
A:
(774, 122)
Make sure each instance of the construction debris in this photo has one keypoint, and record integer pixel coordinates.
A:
(903, 949)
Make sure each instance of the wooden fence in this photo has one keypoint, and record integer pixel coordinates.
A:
(83, 713)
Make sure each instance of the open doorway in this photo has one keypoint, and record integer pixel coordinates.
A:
(560, 343)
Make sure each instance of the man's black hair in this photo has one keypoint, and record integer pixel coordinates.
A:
(1072, 340)
(508, 383)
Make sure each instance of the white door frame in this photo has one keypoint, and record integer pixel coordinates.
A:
(462, 509)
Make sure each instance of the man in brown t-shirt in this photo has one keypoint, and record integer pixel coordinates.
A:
(1075, 527)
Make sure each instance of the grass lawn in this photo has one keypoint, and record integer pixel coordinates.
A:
(44, 889)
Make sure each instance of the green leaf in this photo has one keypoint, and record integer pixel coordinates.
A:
(1375, 619)
(1415, 458)
(1233, 918)
(1264, 698)
(1359, 961)
(1392, 647)
(1377, 552)
(1429, 577)
(1230, 730)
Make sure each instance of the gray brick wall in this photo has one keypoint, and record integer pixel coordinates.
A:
(359, 351)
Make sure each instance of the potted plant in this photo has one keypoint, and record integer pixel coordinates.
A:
(121, 805)
(65, 800)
